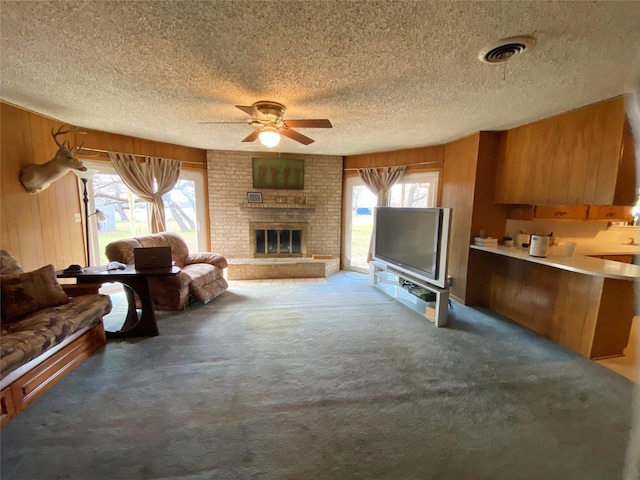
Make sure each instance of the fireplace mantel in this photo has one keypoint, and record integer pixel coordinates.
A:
(279, 206)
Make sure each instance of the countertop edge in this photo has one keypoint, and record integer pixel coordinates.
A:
(578, 263)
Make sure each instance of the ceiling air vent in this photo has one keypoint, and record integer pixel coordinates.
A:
(504, 49)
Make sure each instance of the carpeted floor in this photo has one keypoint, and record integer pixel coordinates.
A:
(328, 381)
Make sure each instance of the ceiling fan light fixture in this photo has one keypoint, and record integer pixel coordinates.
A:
(269, 137)
(270, 125)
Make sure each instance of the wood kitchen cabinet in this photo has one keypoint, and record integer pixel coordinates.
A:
(610, 213)
(625, 193)
(560, 212)
(548, 212)
(571, 159)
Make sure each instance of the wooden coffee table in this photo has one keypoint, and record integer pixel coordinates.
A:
(134, 281)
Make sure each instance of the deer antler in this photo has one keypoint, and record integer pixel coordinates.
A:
(62, 131)
(91, 152)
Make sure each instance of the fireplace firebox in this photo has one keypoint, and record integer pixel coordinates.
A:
(278, 239)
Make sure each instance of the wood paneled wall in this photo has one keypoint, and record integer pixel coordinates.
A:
(40, 229)
(458, 185)
(421, 159)
(487, 215)
(37, 229)
(468, 189)
(191, 158)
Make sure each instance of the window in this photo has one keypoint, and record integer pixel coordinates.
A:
(126, 215)
(417, 190)
(413, 190)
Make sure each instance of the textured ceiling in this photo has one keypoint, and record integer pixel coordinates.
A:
(388, 74)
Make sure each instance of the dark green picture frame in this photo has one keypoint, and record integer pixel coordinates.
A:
(278, 173)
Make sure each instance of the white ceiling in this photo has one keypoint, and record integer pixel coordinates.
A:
(388, 74)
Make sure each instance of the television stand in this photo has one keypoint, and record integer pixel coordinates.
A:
(421, 297)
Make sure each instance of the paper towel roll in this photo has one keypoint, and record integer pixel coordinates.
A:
(539, 246)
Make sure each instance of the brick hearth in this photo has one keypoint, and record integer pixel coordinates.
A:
(263, 268)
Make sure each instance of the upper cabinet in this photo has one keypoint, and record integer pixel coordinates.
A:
(576, 158)
(597, 213)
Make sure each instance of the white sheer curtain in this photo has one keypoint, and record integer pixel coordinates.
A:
(149, 179)
(380, 181)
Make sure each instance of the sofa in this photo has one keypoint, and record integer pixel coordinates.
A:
(45, 334)
(201, 276)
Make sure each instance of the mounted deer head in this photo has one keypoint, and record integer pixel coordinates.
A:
(38, 177)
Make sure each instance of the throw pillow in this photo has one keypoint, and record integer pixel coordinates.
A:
(8, 264)
(25, 293)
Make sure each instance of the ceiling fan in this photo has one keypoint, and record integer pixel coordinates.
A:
(268, 117)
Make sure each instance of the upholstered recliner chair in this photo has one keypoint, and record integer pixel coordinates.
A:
(201, 276)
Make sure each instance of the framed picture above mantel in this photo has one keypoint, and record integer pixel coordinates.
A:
(280, 173)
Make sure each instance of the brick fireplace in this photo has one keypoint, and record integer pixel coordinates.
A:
(316, 210)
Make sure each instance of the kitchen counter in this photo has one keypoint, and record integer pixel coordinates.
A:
(621, 249)
(578, 263)
(583, 303)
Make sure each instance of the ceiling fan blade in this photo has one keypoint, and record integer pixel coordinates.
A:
(252, 136)
(298, 137)
(315, 123)
(250, 110)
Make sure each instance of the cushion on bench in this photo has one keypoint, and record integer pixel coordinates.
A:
(23, 340)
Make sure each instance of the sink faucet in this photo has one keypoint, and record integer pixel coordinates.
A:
(632, 241)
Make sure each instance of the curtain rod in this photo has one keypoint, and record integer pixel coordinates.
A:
(385, 166)
(132, 154)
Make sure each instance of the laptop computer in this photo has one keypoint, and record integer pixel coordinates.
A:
(152, 257)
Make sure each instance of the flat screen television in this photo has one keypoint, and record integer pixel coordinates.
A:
(413, 241)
